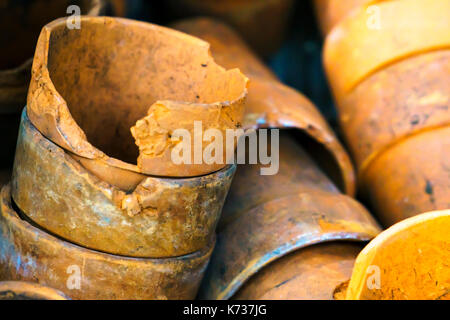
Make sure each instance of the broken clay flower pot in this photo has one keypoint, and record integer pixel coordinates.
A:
(274, 226)
(247, 17)
(21, 22)
(114, 83)
(271, 104)
(21, 290)
(162, 217)
(393, 99)
(420, 272)
(30, 254)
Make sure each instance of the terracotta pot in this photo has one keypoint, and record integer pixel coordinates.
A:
(420, 272)
(271, 104)
(393, 104)
(30, 254)
(267, 217)
(116, 74)
(162, 217)
(248, 17)
(281, 214)
(19, 290)
(21, 23)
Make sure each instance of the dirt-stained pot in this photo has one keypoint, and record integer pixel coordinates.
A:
(21, 22)
(21, 290)
(267, 217)
(116, 83)
(311, 273)
(162, 217)
(392, 89)
(248, 18)
(27, 253)
(420, 272)
(270, 104)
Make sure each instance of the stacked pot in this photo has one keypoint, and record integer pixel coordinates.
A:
(21, 22)
(388, 64)
(77, 217)
(292, 235)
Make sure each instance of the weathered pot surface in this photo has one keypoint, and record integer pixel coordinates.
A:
(30, 254)
(166, 80)
(246, 16)
(162, 217)
(21, 290)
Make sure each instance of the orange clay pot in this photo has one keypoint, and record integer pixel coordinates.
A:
(133, 80)
(248, 18)
(20, 290)
(395, 114)
(21, 22)
(267, 217)
(30, 254)
(271, 104)
(420, 272)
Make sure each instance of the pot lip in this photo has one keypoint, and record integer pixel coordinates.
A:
(33, 289)
(40, 70)
(11, 217)
(366, 231)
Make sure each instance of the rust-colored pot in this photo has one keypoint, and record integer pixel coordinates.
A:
(20, 290)
(421, 270)
(248, 17)
(114, 83)
(267, 217)
(394, 104)
(162, 217)
(30, 254)
(270, 104)
(21, 22)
